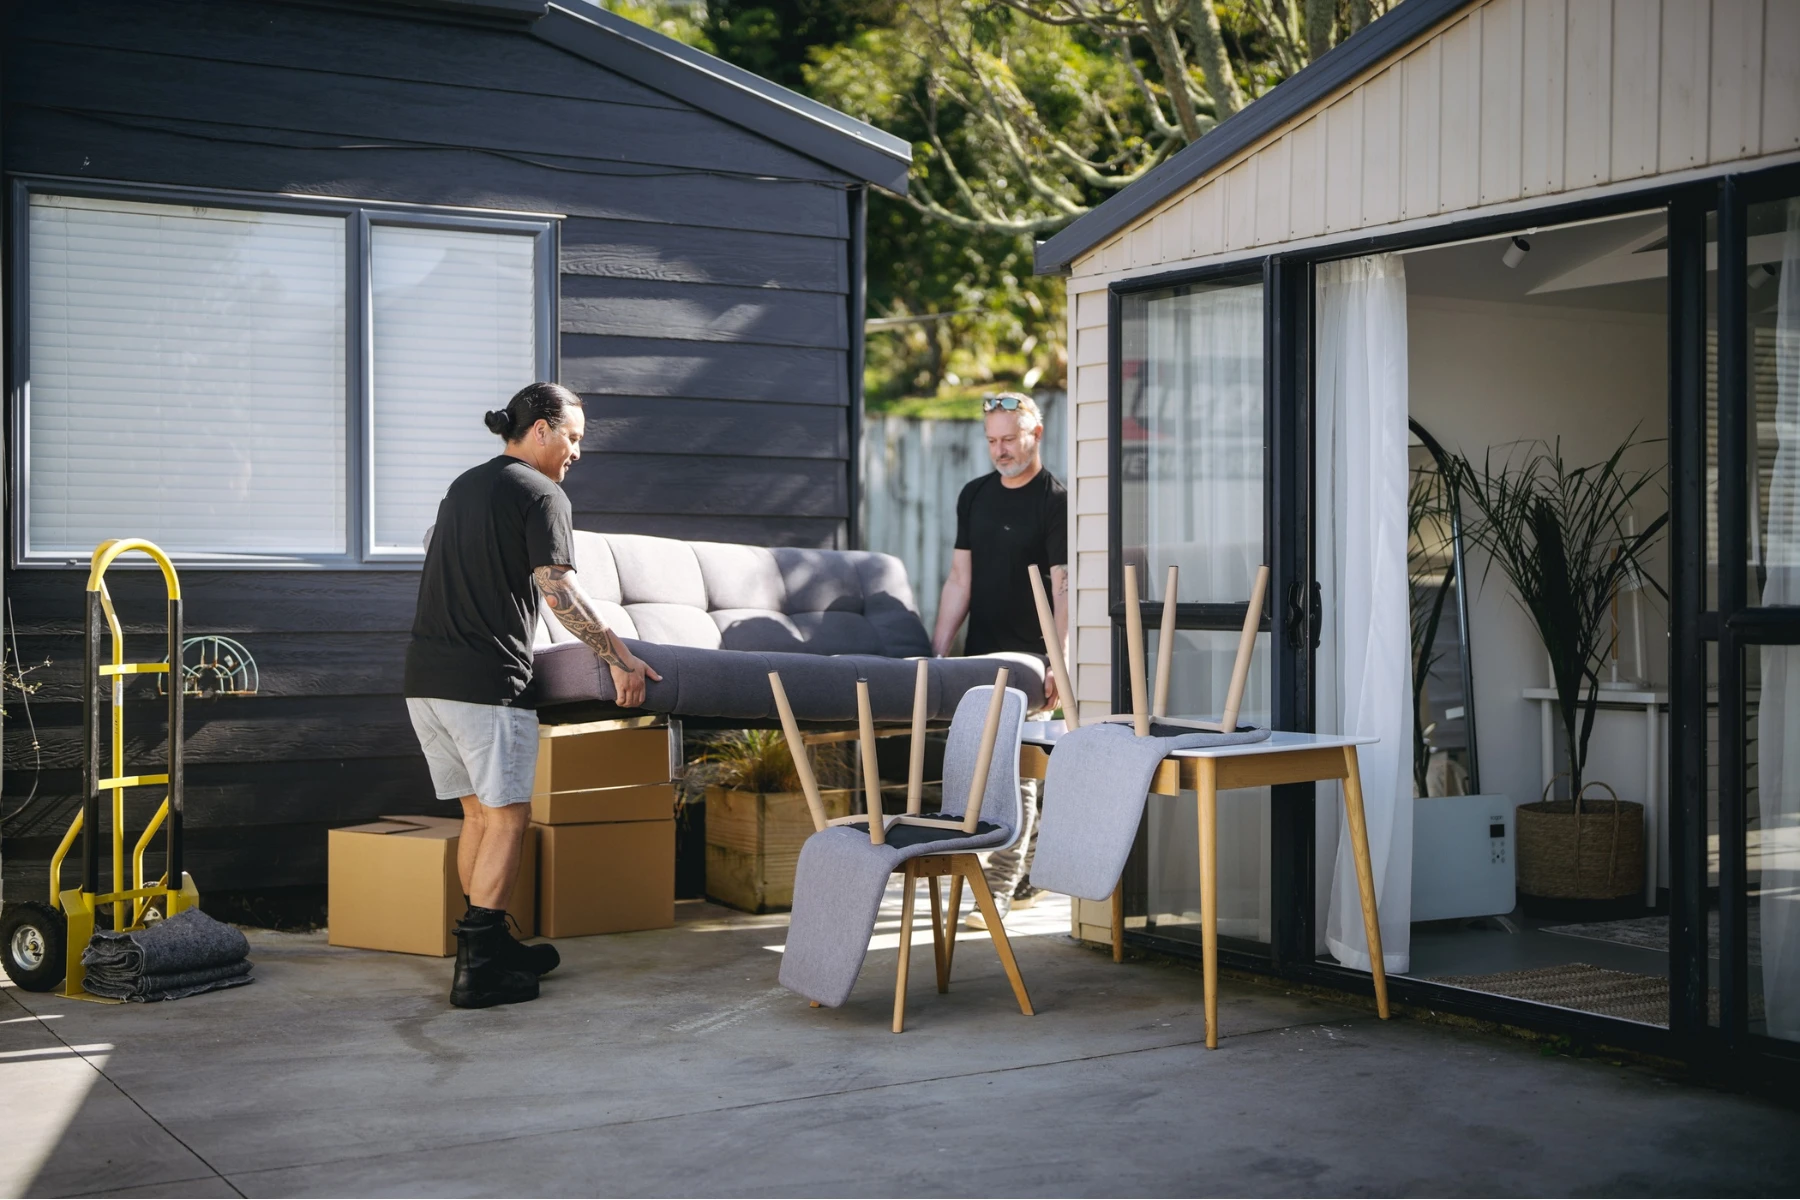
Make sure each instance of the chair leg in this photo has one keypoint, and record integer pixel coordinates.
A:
(1002, 945)
(1365, 876)
(951, 917)
(937, 935)
(910, 885)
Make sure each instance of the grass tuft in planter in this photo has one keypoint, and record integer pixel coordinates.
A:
(756, 817)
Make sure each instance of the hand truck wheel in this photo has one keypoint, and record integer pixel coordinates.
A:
(32, 945)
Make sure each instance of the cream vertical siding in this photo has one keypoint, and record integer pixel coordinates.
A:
(1513, 99)
(1510, 101)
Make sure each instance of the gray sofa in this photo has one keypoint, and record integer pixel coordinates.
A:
(714, 619)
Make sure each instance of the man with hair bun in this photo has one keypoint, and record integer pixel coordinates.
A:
(503, 535)
(1014, 517)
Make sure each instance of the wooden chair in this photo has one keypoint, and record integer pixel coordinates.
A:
(959, 866)
(1143, 709)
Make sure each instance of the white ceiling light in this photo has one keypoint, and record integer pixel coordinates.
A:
(1515, 252)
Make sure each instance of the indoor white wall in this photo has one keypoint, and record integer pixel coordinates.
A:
(1485, 374)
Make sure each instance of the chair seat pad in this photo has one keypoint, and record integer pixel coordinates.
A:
(837, 894)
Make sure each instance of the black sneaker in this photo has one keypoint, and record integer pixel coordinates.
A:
(1025, 895)
(486, 973)
(540, 958)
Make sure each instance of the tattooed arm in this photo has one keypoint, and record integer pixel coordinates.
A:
(563, 593)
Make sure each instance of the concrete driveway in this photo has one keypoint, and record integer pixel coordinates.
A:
(670, 1063)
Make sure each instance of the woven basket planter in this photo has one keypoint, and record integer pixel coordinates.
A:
(1597, 855)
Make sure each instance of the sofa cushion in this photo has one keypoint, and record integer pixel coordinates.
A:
(594, 565)
(550, 631)
(674, 625)
(656, 570)
(819, 580)
(740, 577)
(888, 605)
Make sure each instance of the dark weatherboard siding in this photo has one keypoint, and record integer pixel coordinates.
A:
(705, 276)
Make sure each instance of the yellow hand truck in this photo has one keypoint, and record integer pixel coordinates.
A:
(42, 944)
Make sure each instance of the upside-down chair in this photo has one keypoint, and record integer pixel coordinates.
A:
(846, 864)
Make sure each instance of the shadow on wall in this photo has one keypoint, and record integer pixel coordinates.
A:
(913, 468)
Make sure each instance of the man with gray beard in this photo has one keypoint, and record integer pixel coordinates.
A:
(1012, 518)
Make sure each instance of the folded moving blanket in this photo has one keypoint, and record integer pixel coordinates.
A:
(185, 955)
(1094, 792)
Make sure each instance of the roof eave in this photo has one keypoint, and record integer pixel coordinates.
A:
(818, 131)
(1373, 44)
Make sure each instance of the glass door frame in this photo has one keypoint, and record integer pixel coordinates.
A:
(1734, 624)
(1288, 283)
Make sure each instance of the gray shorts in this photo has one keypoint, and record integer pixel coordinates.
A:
(488, 751)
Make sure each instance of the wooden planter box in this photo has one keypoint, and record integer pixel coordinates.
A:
(753, 844)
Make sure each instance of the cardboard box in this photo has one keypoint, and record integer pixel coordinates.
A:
(570, 760)
(610, 877)
(642, 802)
(393, 885)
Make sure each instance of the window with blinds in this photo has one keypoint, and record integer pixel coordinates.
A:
(454, 335)
(196, 372)
(187, 379)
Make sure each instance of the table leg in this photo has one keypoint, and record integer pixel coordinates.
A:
(1118, 922)
(1365, 875)
(1209, 895)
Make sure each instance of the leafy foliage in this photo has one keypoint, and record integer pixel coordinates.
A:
(1023, 114)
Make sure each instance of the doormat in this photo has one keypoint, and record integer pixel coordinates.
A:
(1631, 997)
(1652, 933)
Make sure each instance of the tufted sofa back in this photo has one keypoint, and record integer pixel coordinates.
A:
(719, 596)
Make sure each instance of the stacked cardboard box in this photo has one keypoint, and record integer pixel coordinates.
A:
(603, 805)
(393, 885)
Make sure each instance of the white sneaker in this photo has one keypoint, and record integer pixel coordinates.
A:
(976, 921)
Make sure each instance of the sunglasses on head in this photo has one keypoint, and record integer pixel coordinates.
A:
(1006, 403)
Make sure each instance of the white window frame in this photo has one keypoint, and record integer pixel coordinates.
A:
(359, 217)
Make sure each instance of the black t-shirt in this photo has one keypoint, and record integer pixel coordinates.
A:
(1004, 530)
(471, 637)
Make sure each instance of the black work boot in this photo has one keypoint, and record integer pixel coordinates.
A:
(539, 958)
(485, 972)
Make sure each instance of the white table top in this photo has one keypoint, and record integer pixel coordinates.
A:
(1044, 734)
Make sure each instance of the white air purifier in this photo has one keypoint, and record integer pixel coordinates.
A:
(1463, 857)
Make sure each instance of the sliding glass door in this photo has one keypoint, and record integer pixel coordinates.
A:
(1753, 839)
(1190, 434)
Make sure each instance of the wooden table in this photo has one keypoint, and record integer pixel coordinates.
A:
(1283, 758)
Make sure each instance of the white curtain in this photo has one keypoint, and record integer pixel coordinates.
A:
(1203, 441)
(1365, 682)
(1778, 719)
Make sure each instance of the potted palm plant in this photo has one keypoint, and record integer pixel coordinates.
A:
(1563, 538)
